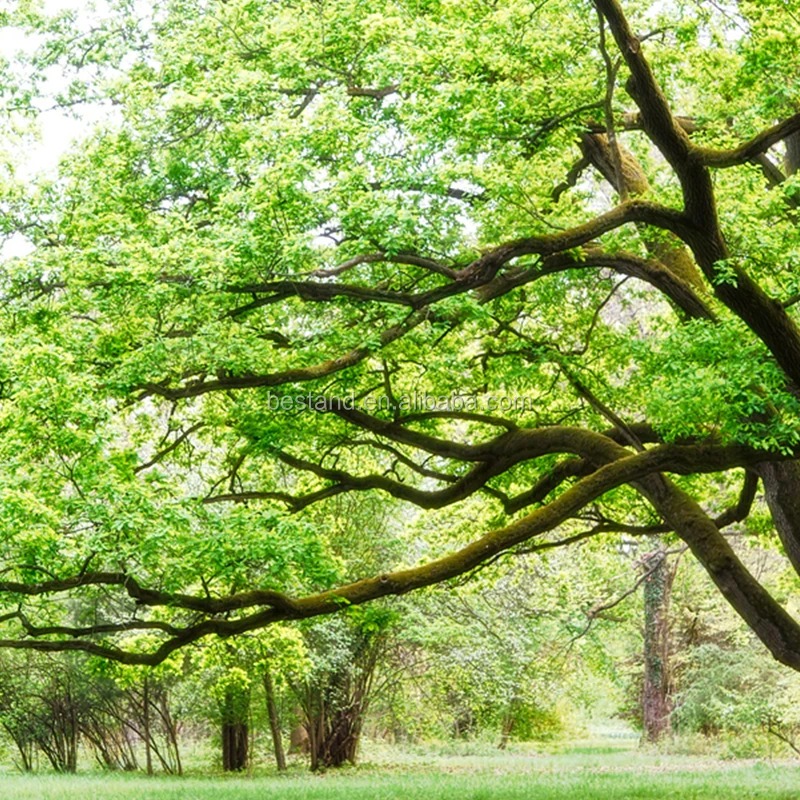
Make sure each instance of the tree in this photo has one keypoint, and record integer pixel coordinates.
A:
(515, 653)
(234, 708)
(130, 700)
(656, 691)
(336, 692)
(359, 247)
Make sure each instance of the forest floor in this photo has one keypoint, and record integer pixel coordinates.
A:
(580, 772)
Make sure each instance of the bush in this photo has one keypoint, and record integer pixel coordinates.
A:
(725, 690)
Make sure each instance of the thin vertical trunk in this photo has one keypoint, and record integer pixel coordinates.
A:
(507, 725)
(146, 725)
(73, 736)
(274, 722)
(171, 735)
(656, 694)
(316, 726)
(25, 752)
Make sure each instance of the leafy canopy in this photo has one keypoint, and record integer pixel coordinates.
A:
(532, 263)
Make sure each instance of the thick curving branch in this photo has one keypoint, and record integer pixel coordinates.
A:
(651, 271)
(479, 272)
(491, 459)
(770, 621)
(750, 149)
(624, 172)
(38, 631)
(632, 211)
(656, 117)
(621, 467)
(701, 229)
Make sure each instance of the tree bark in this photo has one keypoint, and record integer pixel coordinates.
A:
(656, 692)
(782, 480)
(335, 708)
(234, 746)
(773, 625)
(146, 720)
(668, 249)
(782, 492)
(274, 722)
(791, 160)
(235, 708)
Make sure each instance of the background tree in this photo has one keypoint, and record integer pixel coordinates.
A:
(335, 694)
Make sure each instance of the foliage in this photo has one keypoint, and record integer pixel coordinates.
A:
(725, 690)
(509, 655)
(321, 255)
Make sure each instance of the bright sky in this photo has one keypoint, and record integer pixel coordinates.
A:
(58, 129)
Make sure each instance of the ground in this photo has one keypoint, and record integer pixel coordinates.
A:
(588, 771)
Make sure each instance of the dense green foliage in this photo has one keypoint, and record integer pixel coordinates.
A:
(340, 300)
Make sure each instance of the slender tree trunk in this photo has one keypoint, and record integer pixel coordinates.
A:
(25, 751)
(73, 737)
(235, 730)
(146, 725)
(506, 728)
(171, 733)
(315, 715)
(656, 693)
(274, 722)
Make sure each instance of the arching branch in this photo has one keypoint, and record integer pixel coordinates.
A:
(622, 467)
(700, 229)
(749, 150)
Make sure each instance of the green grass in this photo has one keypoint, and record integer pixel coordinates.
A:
(585, 773)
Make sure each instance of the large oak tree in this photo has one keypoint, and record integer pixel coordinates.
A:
(536, 262)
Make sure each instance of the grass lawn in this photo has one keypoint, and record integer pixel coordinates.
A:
(580, 774)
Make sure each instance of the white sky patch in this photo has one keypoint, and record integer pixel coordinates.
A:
(56, 129)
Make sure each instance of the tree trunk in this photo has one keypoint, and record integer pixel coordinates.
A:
(656, 699)
(25, 749)
(235, 713)
(146, 726)
(782, 492)
(335, 714)
(338, 742)
(791, 160)
(274, 722)
(234, 746)
(507, 725)
(171, 735)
